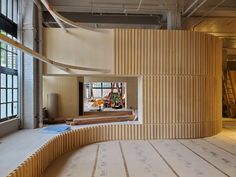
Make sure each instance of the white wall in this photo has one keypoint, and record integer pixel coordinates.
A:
(79, 47)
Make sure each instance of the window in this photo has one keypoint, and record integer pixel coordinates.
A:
(8, 62)
(101, 89)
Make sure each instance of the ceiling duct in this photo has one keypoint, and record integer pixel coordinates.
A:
(110, 18)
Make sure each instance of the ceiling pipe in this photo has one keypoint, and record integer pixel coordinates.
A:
(60, 18)
(71, 23)
(62, 66)
(194, 10)
(191, 5)
(134, 10)
(208, 12)
(46, 4)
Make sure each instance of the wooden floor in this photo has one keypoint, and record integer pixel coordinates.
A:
(209, 157)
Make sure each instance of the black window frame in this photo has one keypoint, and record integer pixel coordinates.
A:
(8, 26)
(102, 87)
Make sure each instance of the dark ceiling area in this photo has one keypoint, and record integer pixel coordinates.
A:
(217, 17)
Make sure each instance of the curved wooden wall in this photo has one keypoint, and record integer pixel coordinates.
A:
(35, 165)
(181, 72)
(181, 88)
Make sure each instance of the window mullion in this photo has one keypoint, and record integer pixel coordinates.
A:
(8, 67)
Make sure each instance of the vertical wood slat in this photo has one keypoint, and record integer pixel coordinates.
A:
(181, 74)
(180, 70)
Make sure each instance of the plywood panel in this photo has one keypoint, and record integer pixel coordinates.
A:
(79, 47)
(141, 154)
(165, 52)
(181, 89)
(218, 157)
(84, 160)
(183, 161)
(181, 78)
(180, 73)
(67, 89)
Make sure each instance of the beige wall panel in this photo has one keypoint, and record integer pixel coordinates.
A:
(181, 89)
(79, 47)
(67, 89)
(181, 79)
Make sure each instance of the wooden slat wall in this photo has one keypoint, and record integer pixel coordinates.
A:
(181, 77)
(163, 52)
(35, 165)
(181, 72)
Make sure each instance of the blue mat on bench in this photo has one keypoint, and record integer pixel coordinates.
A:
(54, 129)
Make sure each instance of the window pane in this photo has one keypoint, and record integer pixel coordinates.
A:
(9, 95)
(3, 58)
(15, 95)
(97, 84)
(9, 109)
(15, 82)
(97, 93)
(3, 7)
(8, 63)
(106, 84)
(15, 108)
(3, 80)
(9, 12)
(14, 62)
(106, 92)
(3, 110)
(3, 96)
(9, 57)
(15, 11)
(3, 45)
(9, 81)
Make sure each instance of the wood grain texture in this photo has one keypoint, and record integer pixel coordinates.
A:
(181, 73)
(67, 90)
(181, 88)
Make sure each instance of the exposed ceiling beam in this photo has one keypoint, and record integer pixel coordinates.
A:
(108, 18)
(144, 9)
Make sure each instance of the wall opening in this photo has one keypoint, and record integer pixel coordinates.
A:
(105, 96)
(86, 97)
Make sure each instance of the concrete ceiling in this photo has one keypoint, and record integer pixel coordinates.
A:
(114, 6)
(217, 17)
(133, 13)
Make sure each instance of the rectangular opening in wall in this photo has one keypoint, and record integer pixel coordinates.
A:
(105, 96)
(90, 99)
(111, 97)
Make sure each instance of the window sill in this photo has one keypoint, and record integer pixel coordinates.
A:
(9, 126)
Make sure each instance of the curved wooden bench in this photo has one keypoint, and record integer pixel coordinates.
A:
(36, 164)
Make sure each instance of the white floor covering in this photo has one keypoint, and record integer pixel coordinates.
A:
(209, 157)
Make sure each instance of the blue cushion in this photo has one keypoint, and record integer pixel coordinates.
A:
(56, 129)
